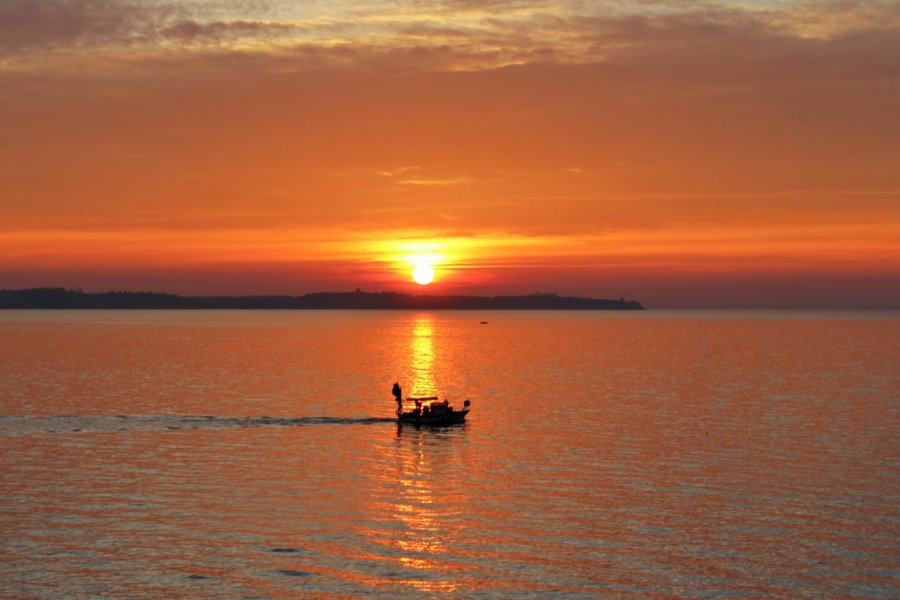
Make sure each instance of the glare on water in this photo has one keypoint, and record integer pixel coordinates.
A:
(422, 357)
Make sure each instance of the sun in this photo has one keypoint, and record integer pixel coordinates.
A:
(421, 260)
(423, 273)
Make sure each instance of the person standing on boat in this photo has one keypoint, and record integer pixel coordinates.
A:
(398, 394)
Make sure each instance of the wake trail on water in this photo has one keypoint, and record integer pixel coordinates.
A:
(11, 425)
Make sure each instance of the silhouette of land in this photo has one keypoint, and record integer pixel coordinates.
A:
(57, 298)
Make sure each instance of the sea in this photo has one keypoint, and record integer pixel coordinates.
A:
(254, 454)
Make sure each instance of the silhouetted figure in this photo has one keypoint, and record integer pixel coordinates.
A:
(398, 395)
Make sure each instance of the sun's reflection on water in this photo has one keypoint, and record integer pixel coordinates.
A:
(427, 526)
(423, 383)
(424, 517)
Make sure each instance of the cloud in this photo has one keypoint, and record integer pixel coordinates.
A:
(189, 30)
(29, 24)
(442, 35)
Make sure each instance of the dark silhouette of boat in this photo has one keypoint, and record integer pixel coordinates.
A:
(430, 411)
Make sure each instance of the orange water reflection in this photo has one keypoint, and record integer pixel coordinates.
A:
(424, 533)
(423, 504)
(753, 459)
(422, 343)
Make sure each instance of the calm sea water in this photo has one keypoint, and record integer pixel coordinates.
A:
(251, 455)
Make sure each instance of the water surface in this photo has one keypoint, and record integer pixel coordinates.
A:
(222, 454)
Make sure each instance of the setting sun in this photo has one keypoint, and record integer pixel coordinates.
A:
(423, 274)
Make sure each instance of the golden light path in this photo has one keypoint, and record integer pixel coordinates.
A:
(423, 358)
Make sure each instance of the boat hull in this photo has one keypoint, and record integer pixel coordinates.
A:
(450, 418)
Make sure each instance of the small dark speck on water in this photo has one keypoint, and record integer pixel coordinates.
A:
(293, 573)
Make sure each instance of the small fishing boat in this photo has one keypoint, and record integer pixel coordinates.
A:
(428, 410)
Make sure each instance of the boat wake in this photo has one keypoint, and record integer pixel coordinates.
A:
(24, 425)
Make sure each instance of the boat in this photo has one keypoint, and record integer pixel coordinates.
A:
(429, 410)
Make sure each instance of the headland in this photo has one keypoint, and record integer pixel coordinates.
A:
(62, 298)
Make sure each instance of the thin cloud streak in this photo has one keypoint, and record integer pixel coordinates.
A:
(448, 35)
(785, 247)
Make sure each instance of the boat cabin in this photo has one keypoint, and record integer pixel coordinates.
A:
(431, 410)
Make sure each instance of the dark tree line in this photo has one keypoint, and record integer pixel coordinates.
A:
(49, 298)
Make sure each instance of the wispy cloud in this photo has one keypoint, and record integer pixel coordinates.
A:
(54, 24)
(451, 34)
(429, 182)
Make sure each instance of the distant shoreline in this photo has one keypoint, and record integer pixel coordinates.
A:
(61, 298)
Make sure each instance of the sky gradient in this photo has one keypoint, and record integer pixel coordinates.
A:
(684, 154)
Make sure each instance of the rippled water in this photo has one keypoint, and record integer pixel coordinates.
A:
(252, 455)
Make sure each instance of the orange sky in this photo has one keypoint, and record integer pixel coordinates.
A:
(684, 155)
